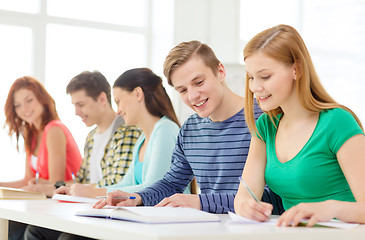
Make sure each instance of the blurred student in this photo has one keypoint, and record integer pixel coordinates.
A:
(306, 147)
(50, 148)
(142, 101)
(212, 144)
(109, 146)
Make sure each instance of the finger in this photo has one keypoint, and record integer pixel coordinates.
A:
(312, 221)
(100, 204)
(60, 190)
(287, 218)
(257, 211)
(163, 203)
(129, 202)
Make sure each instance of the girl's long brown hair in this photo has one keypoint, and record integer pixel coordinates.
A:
(19, 127)
(284, 44)
(157, 101)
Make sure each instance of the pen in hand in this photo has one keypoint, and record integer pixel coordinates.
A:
(248, 189)
(37, 177)
(73, 177)
(130, 197)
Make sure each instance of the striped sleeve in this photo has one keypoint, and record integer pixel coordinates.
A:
(175, 180)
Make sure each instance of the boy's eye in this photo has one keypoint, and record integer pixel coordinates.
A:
(199, 82)
(182, 91)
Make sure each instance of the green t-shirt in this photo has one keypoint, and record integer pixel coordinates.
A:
(314, 174)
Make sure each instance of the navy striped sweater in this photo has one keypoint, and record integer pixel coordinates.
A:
(215, 153)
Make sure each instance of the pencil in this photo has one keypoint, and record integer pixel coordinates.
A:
(248, 189)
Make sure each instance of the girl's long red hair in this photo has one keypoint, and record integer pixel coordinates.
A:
(19, 127)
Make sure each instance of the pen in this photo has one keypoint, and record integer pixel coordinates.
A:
(130, 197)
(36, 177)
(248, 189)
(73, 177)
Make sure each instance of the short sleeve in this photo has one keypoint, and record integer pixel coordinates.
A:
(341, 127)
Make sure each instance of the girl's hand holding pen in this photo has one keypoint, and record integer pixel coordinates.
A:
(251, 207)
(119, 198)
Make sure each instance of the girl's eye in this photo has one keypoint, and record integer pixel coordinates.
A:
(16, 106)
(266, 77)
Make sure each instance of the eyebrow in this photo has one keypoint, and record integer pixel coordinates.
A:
(258, 71)
(199, 75)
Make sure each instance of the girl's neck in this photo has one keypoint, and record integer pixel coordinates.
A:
(147, 124)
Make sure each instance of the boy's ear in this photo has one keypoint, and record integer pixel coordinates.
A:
(221, 72)
(102, 97)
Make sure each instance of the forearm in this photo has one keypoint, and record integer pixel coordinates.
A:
(348, 211)
(217, 202)
(154, 194)
(14, 184)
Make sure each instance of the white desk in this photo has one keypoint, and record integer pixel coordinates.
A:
(60, 216)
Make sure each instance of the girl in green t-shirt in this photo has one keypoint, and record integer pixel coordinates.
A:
(306, 147)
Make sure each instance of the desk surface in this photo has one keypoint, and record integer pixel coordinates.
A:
(61, 216)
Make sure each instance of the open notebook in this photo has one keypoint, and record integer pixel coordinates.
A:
(152, 214)
(74, 199)
(17, 193)
(331, 224)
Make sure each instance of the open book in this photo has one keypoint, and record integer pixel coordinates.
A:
(74, 199)
(331, 224)
(17, 193)
(152, 214)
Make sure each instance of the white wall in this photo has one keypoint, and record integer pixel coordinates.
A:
(216, 23)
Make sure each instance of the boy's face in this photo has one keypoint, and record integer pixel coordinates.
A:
(199, 88)
(89, 110)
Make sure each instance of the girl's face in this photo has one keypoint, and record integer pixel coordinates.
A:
(27, 107)
(128, 105)
(272, 82)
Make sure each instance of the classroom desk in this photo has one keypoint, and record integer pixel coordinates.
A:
(60, 216)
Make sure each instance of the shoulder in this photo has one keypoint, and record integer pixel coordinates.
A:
(336, 113)
(54, 123)
(55, 127)
(55, 133)
(91, 134)
(338, 118)
(166, 126)
(126, 131)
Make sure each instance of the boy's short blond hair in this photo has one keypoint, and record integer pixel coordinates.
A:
(181, 53)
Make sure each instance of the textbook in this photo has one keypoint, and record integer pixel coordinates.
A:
(74, 199)
(144, 214)
(17, 193)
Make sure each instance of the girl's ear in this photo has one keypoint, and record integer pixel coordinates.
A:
(296, 71)
(139, 93)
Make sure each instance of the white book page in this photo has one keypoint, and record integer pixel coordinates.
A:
(333, 223)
